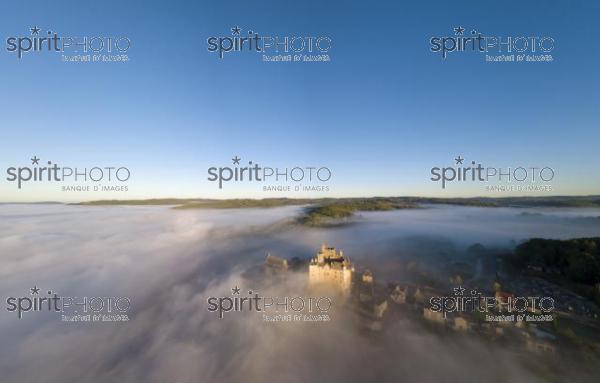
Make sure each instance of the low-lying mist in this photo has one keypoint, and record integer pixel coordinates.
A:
(169, 261)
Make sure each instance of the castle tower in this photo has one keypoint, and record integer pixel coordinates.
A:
(329, 268)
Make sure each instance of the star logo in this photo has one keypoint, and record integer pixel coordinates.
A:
(235, 291)
(236, 160)
(235, 31)
(459, 160)
(459, 290)
(35, 290)
(459, 31)
(35, 160)
(35, 30)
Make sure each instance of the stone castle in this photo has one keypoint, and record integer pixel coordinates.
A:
(330, 268)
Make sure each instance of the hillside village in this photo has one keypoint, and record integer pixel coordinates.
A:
(378, 304)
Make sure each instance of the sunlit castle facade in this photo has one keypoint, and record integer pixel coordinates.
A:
(330, 268)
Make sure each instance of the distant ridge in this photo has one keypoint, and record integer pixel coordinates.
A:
(203, 203)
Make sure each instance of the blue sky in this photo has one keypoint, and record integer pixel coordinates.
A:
(380, 114)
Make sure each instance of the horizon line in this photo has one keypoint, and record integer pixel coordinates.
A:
(296, 198)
